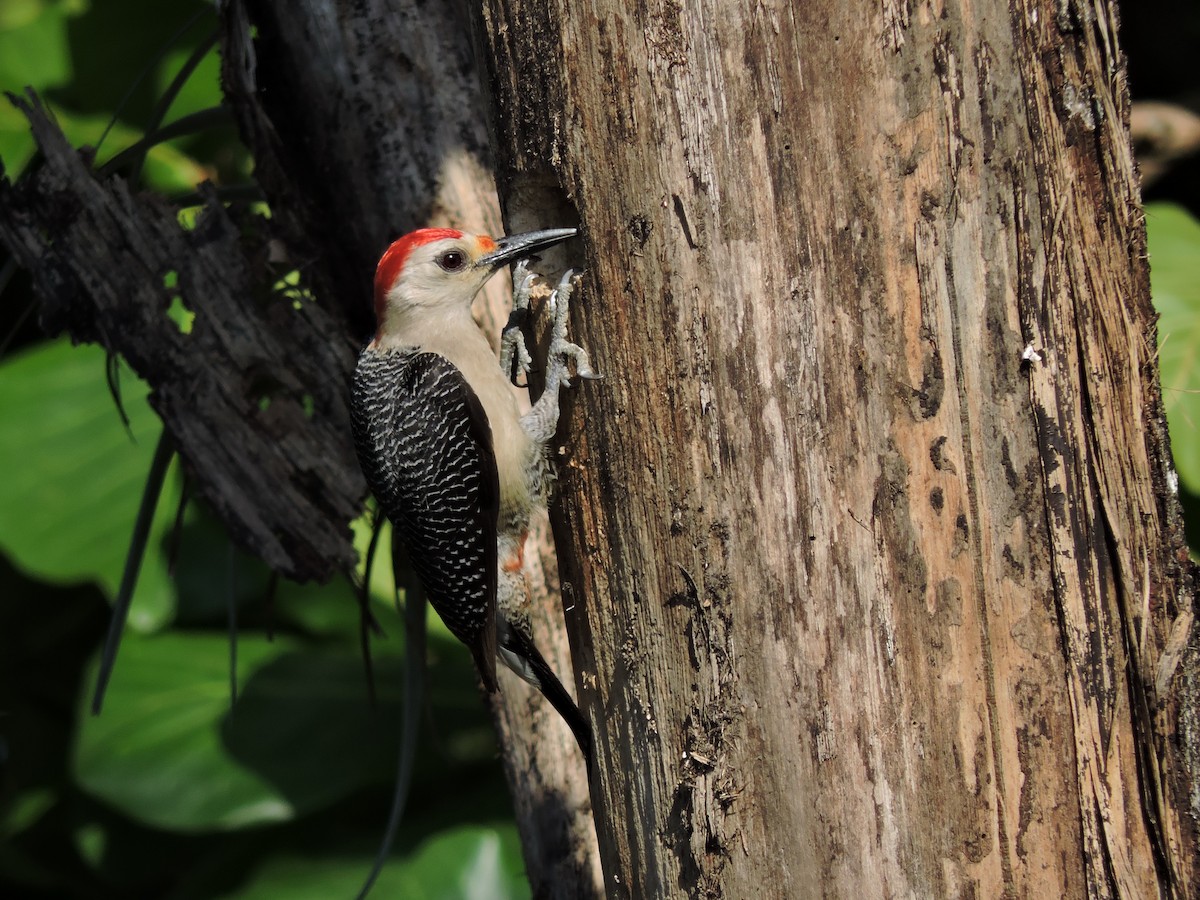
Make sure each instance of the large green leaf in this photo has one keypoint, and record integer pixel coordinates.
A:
(33, 44)
(116, 42)
(467, 863)
(169, 752)
(168, 169)
(73, 479)
(305, 724)
(157, 753)
(33, 51)
(1174, 244)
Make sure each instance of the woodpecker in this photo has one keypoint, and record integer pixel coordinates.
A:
(444, 448)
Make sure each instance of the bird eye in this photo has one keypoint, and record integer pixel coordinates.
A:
(452, 260)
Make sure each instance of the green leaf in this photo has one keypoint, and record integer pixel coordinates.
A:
(467, 863)
(33, 45)
(33, 51)
(202, 90)
(16, 14)
(37, 54)
(16, 143)
(157, 754)
(74, 479)
(25, 810)
(168, 169)
(167, 750)
(1174, 245)
(115, 43)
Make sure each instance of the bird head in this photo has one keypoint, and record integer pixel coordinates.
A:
(438, 271)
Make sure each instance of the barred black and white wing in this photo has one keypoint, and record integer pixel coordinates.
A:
(425, 447)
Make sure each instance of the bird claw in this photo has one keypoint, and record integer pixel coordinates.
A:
(515, 360)
(561, 349)
(542, 419)
(564, 351)
(512, 337)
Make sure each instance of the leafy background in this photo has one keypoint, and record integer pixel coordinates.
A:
(172, 792)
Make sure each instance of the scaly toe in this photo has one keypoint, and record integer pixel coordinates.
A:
(565, 351)
(523, 281)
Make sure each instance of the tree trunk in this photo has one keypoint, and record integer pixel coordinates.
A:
(879, 584)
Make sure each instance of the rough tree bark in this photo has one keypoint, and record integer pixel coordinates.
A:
(879, 577)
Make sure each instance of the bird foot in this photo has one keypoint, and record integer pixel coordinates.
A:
(542, 420)
(514, 355)
(563, 351)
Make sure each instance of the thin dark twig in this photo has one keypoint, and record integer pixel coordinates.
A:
(231, 610)
(133, 564)
(189, 124)
(169, 95)
(147, 69)
(414, 690)
(364, 588)
(365, 619)
(112, 376)
(185, 495)
(364, 645)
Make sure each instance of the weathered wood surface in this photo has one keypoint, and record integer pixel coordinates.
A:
(879, 580)
(254, 397)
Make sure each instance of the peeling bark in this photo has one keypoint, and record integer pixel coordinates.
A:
(254, 397)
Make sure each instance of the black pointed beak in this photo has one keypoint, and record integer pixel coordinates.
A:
(516, 246)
